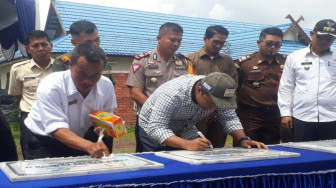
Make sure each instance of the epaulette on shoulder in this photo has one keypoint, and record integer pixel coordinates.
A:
(20, 63)
(182, 55)
(244, 58)
(140, 56)
(283, 56)
(65, 58)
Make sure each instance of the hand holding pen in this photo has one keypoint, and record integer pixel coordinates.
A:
(202, 136)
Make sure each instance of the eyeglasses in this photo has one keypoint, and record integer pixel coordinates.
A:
(270, 43)
(217, 42)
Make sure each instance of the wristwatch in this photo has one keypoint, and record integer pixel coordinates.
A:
(243, 138)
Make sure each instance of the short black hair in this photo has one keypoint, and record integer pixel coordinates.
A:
(36, 34)
(82, 26)
(271, 31)
(215, 29)
(169, 26)
(91, 52)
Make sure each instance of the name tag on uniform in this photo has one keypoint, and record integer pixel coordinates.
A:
(28, 78)
(153, 66)
(180, 67)
(72, 102)
(306, 63)
(255, 71)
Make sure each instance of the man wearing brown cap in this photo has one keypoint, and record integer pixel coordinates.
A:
(307, 91)
(169, 115)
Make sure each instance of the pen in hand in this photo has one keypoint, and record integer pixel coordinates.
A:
(202, 136)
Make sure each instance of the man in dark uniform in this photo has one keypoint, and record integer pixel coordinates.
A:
(82, 32)
(259, 76)
(207, 60)
(150, 70)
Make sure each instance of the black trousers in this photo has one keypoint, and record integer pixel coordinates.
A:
(36, 146)
(7, 144)
(138, 144)
(312, 131)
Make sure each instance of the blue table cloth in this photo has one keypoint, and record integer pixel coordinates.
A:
(311, 169)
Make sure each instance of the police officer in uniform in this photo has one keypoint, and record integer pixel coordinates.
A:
(207, 60)
(259, 76)
(150, 70)
(82, 32)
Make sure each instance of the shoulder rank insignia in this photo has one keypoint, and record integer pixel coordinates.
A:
(65, 58)
(135, 67)
(181, 55)
(244, 58)
(140, 56)
(283, 56)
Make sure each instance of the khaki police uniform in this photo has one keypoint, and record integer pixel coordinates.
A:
(149, 71)
(204, 65)
(61, 63)
(257, 97)
(24, 79)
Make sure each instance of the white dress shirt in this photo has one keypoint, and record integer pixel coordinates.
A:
(60, 105)
(307, 88)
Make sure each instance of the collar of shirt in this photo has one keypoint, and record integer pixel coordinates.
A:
(262, 59)
(309, 52)
(172, 58)
(203, 54)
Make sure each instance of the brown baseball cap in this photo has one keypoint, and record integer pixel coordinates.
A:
(325, 27)
(221, 88)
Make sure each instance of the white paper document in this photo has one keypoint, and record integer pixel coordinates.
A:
(74, 166)
(322, 145)
(225, 155)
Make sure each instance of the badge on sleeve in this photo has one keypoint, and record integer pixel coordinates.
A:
(135, 67)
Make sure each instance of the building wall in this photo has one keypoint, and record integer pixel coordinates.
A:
(125, 107)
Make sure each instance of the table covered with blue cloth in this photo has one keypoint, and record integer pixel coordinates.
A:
(311, 169)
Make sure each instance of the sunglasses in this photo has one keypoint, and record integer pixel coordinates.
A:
(270, 43)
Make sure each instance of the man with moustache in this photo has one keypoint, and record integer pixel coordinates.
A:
(208, 60)
(307, 92)
(58, 124)
(25, 76)
(150, 70)
(259, 77)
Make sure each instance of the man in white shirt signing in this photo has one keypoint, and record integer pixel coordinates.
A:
(58, 124)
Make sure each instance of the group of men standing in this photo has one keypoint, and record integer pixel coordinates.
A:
(172, 103)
